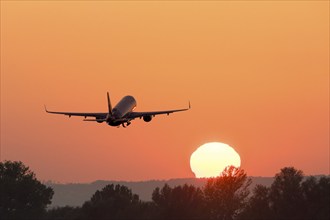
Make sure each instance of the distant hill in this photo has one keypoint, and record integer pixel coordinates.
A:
(75, 194)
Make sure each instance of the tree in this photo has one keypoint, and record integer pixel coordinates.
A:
(324, 201)
(226, 195)
(22, 195)
(112, 202)
(64, 213)
(180, 202)
(316, 195)
(289, 197)
(258, 205)
(286, 194)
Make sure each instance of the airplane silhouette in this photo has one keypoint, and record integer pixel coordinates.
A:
(121, 114)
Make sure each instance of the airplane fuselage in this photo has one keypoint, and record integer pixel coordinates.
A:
(124, 106)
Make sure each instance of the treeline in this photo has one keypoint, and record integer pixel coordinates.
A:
(227, 197)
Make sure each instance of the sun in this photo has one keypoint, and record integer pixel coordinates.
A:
(210, 159)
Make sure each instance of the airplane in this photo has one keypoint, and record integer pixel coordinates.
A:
(121, 114)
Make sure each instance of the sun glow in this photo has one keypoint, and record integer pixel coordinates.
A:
(210, 159)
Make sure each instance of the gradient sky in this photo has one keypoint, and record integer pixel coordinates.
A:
(256, 73)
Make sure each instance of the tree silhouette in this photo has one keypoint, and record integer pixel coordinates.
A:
(64, 213)
(289, 197)
(22, 195)
(226, 195)
(286, 194)
(257, 207)
(316, 197)
(180, 202)
(324, 199)
(112, 202)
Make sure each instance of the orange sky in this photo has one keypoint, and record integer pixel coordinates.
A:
(257, 75)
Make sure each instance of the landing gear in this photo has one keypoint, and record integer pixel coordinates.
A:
(127, 124)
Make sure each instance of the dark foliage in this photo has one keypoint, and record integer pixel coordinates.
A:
(286, 197)
(22, 196)
(316, 194)
(226, 195)
(257, 207)
(112, 202)
(64, 213)
(291, 196)
(180, 202)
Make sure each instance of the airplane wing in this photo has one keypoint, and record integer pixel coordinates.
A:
(133, 115)
(100, 115)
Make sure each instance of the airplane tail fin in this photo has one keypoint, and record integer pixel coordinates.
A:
(109, 104)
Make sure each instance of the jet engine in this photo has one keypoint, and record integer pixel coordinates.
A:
(99, 120)
(147, 118)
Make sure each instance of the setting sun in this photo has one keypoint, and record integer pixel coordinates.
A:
(210, 159)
